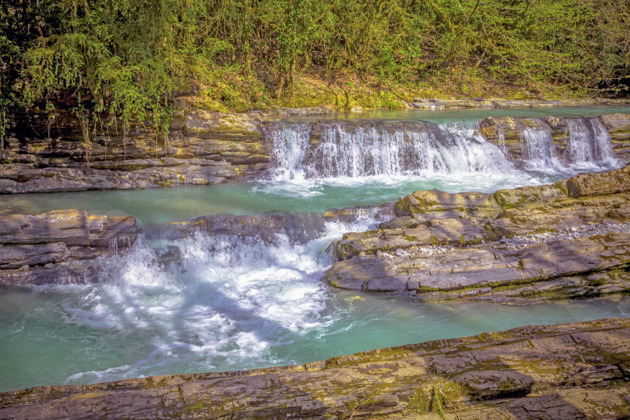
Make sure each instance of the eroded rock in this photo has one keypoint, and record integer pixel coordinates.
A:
(472, 244)
(59, 246)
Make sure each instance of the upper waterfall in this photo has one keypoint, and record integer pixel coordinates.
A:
(366, 148)
(372, 149)
(588, 146)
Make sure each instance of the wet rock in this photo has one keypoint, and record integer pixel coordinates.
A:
(525, 243)
(600, 184)
(297, 227)
(59, 246)
(563, 371)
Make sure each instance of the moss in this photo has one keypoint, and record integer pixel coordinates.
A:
(436, 396)
(191, 408)
(410, 238)
(615, 215)
(596, 282)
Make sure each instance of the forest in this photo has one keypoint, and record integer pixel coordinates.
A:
(124, 60)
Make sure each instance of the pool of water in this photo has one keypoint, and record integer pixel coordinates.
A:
(317, 195)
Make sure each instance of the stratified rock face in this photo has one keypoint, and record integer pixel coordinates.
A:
(546, 372)
(210, 148)
(201, 148)
(568, 239)
(298, 227)
(59, 246)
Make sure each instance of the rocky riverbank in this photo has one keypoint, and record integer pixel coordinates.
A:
(566, 240)
(201, 148)
(60, 246)
(547, 372)
(435, 103)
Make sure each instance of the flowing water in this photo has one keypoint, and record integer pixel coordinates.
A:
(224, 300)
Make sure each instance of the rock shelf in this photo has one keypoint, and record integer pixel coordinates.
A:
(576, 370)
(60, 246)
(566, 240)
(211, 148)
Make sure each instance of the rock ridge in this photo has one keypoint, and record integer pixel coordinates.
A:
(566, 240)
(59, 246)
(578, 370)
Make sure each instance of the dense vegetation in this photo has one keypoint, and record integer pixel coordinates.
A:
(126, 60)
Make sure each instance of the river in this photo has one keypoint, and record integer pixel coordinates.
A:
(230, 302)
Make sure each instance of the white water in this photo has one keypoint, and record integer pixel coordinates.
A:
(221, 303)
(589, 144)
(589, 148)
(378, 150)
(539, 152)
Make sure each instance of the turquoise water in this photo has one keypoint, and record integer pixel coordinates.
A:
(172, 204)
(61, 336)
(228, 303)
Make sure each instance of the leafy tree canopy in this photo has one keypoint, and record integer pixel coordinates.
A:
(127, 60)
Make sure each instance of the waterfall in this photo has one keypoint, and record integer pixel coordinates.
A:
(589, 143)
(373, 149)
(290, 143)
(589, 147)
(539, 152)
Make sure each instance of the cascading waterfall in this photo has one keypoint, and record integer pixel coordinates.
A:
(589, 147)
(353, 150)
(589, 144)
(204, 302)
(290, 144)
(381, 149)
(539, 152)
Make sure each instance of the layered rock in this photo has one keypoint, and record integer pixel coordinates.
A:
(201, 148)
(60, 246)
(569, 239)
(547, 372)
(298, 227)
(41, 155)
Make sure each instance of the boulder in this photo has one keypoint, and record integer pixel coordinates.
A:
(471, 244)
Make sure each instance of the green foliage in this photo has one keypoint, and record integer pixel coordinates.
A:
(120, 60)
